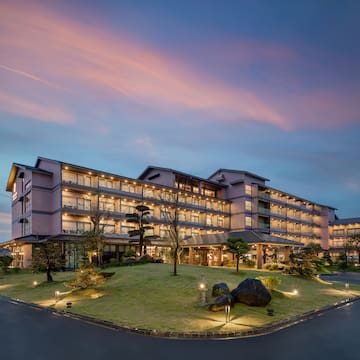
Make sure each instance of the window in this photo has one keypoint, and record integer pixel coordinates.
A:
(148, 192)
(248, 221)
(208, 220)
(353, 231)
(208, 192)
(195, 201)
(195, 218)
(248, 205)
(165, 214)
(105, 183)
(127, 187)
(248, 190)
(164, 232)
(220, 221)
(339, 232)
(182, 233)
(107, 205)
(182, 216)
(128, 208)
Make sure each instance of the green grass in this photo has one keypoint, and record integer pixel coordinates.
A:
(148, 296)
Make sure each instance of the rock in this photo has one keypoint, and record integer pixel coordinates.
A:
(220, 289)
(251, 292)
(145, 258)
(220, 302)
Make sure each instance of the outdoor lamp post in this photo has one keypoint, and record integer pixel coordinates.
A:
(202, 286)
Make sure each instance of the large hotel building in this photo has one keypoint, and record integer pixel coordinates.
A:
(54, 200)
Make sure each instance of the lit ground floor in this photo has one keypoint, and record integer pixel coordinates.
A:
(204, 250)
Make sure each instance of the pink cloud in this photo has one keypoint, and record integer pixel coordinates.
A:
(69, 54)
(17, 105)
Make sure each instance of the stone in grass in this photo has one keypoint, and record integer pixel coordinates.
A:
(251, 292)
(220, 289)
(220, 302)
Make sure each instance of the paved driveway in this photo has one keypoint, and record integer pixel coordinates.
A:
(27, 333)
(346, 277)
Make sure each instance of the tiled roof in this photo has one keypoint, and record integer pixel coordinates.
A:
(251, 237)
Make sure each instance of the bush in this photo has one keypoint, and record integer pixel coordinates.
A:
(270, 282)
(5, 262)
(272, 266)
(249, 263)
(129, 253)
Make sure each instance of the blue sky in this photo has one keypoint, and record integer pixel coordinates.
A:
(268, 87)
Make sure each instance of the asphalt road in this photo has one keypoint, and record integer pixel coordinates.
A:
(28, 333)
(349, 277)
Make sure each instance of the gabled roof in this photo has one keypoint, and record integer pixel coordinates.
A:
(143, 175)
(14, 169)
(249, 236)
(241, 172)
(346, 221)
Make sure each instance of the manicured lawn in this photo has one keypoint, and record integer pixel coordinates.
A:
(148, 296)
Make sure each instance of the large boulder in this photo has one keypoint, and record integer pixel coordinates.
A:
(220, 302)
(220, 289)
(251, 292)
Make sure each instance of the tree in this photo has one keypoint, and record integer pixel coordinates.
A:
(313, 248)
(239, 248)
(5, 261)
(171, 219)
(139, 218)
(354, 244)
(48, 256)
(94, 239)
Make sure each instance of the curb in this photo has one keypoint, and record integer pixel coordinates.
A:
(258, 331)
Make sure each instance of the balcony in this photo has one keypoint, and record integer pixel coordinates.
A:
(263, 211)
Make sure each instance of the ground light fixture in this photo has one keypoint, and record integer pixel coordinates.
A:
(295, 292)
(57, 294)
(347, 285)
(202, 287)
(35, 283)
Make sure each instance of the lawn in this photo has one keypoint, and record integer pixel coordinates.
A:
(148, 296)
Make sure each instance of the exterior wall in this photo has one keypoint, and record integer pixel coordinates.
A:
(166, 178)
(60, 202)
(340, 233)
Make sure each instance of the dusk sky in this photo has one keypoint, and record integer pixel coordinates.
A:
(271, 87)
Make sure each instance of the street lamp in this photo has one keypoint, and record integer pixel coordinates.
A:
(202, 287)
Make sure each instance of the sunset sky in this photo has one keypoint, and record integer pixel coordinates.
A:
(271, 87)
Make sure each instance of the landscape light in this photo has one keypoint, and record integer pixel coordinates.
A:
(57, 293)
(35, 283)
(295, 292)
(347, 285)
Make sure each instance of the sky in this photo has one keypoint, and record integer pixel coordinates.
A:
(271, 87)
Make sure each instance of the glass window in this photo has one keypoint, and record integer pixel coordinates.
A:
(248, 205)
(248, 190)
(248, 221)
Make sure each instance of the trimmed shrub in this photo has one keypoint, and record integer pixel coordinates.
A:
(270, 282)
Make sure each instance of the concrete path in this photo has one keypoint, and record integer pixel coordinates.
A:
(30, 334)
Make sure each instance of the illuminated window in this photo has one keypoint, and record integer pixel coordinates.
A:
(248, 221)
(248, 190)
(248, 205)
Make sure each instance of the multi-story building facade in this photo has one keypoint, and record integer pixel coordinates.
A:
(55, 200)
(341, 233)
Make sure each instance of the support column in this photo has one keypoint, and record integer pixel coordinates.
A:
(286, 254)
(259, 256)
(117, 253)
(191, 256)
